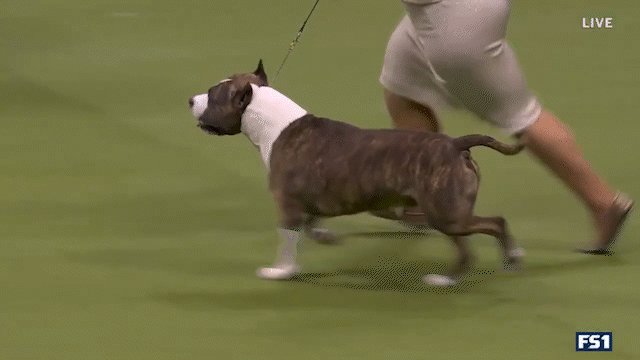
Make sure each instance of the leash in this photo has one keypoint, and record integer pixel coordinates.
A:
(296, 40)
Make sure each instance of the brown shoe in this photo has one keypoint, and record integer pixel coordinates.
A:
(613, 221)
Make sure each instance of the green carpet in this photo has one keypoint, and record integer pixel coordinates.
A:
(127, 233)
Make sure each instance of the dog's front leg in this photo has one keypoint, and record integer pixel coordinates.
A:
(285, 266)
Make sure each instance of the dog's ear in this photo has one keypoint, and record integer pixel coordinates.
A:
(243, 97)
(260, 73)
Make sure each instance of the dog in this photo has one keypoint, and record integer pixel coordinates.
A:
(320, 168)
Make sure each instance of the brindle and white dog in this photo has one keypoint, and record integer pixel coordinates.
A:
(321, 168)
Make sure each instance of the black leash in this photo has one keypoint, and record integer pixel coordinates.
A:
(295, 41)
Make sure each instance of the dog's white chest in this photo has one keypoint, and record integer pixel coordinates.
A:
(267, 115)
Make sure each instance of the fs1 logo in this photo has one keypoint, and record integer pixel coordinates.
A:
(594, 341)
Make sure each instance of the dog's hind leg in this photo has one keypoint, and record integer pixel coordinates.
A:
(461, 266)
(496, 226)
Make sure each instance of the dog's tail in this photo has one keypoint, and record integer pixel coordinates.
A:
(468, 141)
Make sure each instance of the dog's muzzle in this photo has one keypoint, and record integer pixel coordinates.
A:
(198, 104)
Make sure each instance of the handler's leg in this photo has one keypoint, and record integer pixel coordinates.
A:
(553, 143)
(411, 91)
(407, 114)
(407, 88)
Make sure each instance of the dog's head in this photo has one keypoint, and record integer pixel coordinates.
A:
(219, 111)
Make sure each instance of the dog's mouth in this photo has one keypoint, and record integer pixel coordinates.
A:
(211, 130)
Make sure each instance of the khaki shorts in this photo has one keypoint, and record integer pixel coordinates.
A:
(453, 53)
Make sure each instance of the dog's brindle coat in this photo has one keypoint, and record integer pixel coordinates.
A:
(324, 168)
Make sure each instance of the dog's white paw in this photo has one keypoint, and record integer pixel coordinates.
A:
(513, 261)
(439, 280)
(283, 272)
(517, 253)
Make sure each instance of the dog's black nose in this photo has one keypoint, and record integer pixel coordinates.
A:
(190, 102)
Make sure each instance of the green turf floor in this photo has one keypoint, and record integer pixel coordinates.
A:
(127, 233)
